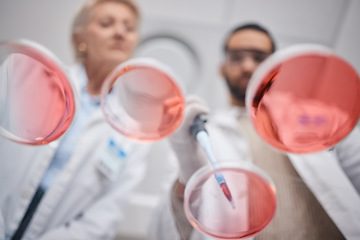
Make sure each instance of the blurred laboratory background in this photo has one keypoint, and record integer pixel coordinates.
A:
(188, 36)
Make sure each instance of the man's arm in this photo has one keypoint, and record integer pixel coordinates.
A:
(170, 219)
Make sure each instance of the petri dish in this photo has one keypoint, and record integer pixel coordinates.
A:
(142, 99)
(209, 211)
(37, 101)
(304, 99)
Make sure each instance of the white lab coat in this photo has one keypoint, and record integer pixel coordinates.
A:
(83, 202)
(334, 178)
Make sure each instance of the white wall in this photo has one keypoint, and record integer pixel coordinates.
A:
(201, 24)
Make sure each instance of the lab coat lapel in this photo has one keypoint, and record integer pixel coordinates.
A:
(323, 175)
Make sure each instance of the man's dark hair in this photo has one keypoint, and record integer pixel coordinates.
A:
(253, 26)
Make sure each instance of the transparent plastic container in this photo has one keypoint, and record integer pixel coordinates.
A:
(209, 211)
(304, 99)
(37, 99)
(142, 99)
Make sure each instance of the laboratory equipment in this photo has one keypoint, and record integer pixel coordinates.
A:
(304, 99)
(253, 194)
(37, 100)
(200, 134)
(142, 99)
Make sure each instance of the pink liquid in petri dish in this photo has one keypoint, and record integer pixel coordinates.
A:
(39, 101)
(209, 211)
(307, 103)
(143, 103)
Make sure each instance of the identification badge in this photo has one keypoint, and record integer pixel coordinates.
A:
(112, 159)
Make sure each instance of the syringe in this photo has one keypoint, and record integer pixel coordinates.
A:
(200, 134)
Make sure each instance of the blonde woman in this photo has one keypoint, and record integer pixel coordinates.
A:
(75, 188)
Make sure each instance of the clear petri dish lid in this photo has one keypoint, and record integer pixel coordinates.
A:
(143, 100)
(209, 210)
(304, 99)
(37, 100)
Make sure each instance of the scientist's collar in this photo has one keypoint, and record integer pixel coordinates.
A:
(83, 81)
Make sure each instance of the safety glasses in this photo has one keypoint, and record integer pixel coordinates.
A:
(238, 56)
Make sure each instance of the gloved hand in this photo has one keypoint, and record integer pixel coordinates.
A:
(189, 153)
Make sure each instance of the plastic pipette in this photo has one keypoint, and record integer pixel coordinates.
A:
(200, 134)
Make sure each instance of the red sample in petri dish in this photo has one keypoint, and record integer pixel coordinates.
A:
(210, 212)
(142, 100)
(37, 98)
(304, 99)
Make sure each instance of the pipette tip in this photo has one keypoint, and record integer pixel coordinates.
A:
(232, 203)
(225, 189)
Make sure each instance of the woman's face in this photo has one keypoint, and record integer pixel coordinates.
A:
(111, 34)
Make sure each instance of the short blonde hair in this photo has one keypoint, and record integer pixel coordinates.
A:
(81, 19)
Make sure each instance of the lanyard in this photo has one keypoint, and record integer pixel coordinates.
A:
(29, 214)
(61, 157)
